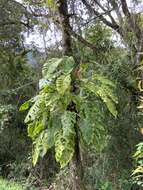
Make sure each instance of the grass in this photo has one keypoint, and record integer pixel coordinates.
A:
(8, 185)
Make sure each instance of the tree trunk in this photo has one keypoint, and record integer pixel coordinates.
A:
(75, 165)
(76, 169)
(65, 24)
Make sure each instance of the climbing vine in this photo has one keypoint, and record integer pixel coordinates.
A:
(50, 121)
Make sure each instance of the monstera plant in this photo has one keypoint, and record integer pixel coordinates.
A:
(60, 110)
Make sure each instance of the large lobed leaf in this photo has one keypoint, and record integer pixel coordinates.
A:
(65, 139)
(103, 88)
(42, 144)
(63, 84)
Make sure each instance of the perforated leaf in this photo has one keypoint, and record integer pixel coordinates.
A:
(106, 94)
(63, 83)
(67, 64)
(108, 101)
(26, 105)
(35, 129)
(42, 144)
(103, 80)
(50, 67)
(65, 139)
(91, 125)
(87, 131)
(34, 111)
(68, 120)
(51, 4)
(64, 149)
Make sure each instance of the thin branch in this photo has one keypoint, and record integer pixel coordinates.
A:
(116, 7)
(78, 37)
(99, 4)
(102, 18)
(15, 23)
(131, 21)
(35, 14)
(82, 40)
(125, 8)
(106, 11)
(92, 19)
(20, 4)
(19, 88)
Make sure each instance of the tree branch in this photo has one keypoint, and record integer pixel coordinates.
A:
(116, 7)
(125, 8)
(15, 23)
(82, 40)
(102, 18)
(65, 25)
(18, 88)
(106, 11)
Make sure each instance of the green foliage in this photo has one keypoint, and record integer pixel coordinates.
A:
(42, 143)
(56, 66)
(138, 172)
(65, 139)
(14, 71)
(50, 67)
(54, 102)
(51, 4)
(57, 113)
(63, 84)
(92, 125)
(5, 185)
(6, 116)
(104, 88)
(34, 110)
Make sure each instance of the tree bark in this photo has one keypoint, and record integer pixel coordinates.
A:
(65, 24)
(75, 165)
